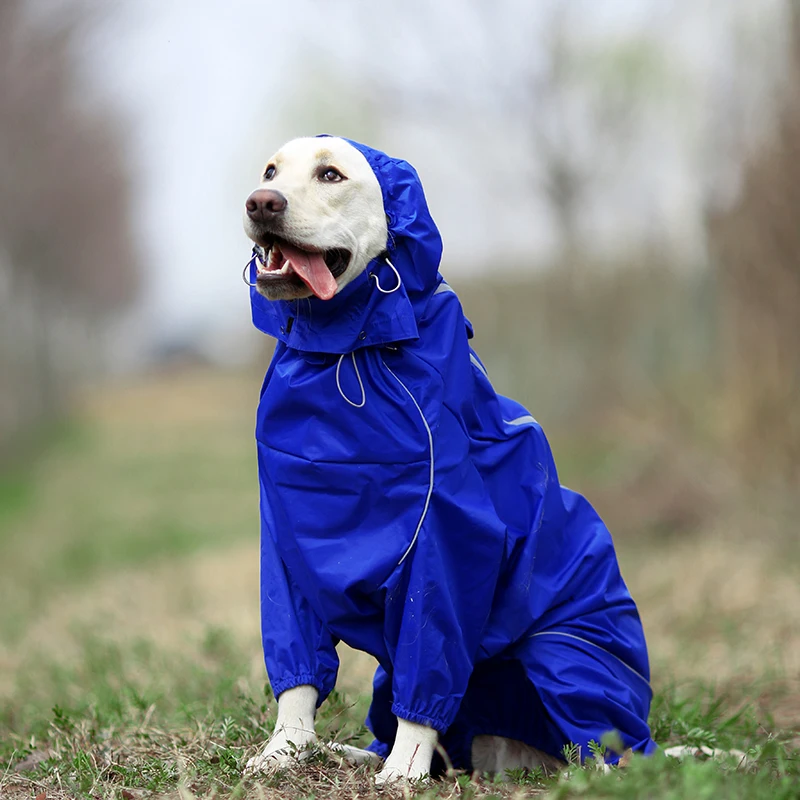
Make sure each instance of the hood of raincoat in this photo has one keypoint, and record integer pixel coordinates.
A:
(360, 316)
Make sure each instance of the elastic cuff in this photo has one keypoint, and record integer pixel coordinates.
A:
(303, 679)
(420, 719)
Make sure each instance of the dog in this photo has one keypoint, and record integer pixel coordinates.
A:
(409, 509)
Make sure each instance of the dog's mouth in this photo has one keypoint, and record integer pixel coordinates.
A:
(281, 262)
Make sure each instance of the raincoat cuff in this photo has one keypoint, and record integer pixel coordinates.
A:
(301, 679)
(420, 719)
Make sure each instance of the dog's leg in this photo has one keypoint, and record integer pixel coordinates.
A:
(496, 755)
(294, 730)
(411, 755)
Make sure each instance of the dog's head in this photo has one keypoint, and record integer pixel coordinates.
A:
(318, 216)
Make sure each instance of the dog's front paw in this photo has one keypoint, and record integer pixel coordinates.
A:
(282, 750)
(410, 759)
(406, 773)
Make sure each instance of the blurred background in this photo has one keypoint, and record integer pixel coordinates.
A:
(618, 189)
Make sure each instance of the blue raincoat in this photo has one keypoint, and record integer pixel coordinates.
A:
(414, 513)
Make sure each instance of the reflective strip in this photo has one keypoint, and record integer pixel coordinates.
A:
(586, 641)
(474, 359)
(526, 420)
(430, 479)
(444, 287)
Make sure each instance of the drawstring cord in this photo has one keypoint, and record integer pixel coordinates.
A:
(396, 274)
(358, 376)
(353, 353)
(256, 254)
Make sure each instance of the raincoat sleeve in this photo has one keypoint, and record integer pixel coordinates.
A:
(452, 576)
(298, 648)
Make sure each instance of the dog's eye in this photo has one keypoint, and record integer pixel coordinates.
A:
(330, 175)
(269, 172)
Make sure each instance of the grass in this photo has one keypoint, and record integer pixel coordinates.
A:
(133, 720)
(144, 477)
(134, 717)
(129, 657)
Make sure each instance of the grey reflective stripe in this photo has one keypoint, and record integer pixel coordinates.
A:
(586, 641)
(526, 420)
(473, 358)
(444, 287)
(430, 479)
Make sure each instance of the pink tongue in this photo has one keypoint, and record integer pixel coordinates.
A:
(312, 270)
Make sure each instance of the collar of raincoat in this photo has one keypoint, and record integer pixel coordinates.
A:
(361, 315)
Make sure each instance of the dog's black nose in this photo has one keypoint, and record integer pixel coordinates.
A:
(265, 204)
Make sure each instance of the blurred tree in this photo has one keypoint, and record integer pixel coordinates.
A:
(579, 106)
(67, 253)
(584, 109)
(757, 246)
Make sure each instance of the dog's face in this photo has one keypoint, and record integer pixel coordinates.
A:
(318, 215)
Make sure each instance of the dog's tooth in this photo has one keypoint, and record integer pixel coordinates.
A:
(285, 268)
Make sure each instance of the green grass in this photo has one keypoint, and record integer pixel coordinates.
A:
(132, 717)
(117, 495)
(16, 494)
(775, 777)
(135, 717)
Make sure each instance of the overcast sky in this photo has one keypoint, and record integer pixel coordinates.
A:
(209, 89)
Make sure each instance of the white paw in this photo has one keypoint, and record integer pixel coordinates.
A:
(685, 751)
(282, 750)
(403, 769)
(388, 777)
(410, 759)
(353, 755)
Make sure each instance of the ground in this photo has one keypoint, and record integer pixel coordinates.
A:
(130, 663)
